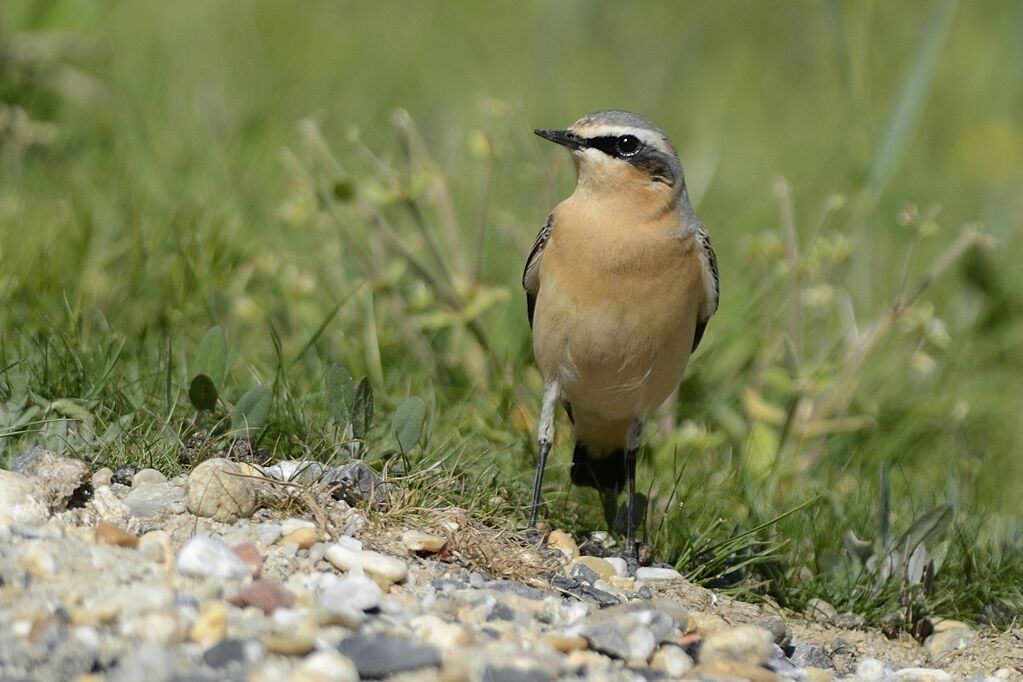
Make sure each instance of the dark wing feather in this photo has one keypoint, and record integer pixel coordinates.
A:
(531, 273)
(712, 262)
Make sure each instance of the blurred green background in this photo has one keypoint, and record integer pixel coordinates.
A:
(358, 183)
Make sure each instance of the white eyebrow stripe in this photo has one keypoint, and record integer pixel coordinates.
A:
(604, 130)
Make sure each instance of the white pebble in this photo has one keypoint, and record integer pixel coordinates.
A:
(618, 563)
(205, 557)
(291, 525)
(318, 551)
(330, 666)
(655, 573)
(356, 591)
(923, 675)
(871, 669)
(376, 564)
(268, 533)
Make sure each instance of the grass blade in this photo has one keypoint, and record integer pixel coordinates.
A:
(905, 112)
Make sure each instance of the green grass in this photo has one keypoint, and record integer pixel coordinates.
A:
(355, 184)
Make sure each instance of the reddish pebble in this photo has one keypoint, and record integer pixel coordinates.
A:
(112, 535)
(266, 595)
(248, 553)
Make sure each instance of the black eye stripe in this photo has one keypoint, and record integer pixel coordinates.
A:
(605, 144)
(620, 146)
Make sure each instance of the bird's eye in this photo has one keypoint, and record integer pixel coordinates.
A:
(627, 145)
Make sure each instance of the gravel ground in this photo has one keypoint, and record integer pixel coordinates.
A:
(230, 574)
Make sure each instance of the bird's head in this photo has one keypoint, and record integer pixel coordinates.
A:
(618, 151)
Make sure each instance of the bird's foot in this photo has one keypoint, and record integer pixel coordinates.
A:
(631, 557)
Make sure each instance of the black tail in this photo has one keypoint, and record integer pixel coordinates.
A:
(606, 473)
(609, 476)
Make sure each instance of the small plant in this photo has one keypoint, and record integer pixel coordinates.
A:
(243, 420)
(351, 409)
(905, 564)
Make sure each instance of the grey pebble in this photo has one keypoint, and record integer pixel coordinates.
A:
(154, 499)
(516, 587)
(514, 675)
(125, 474)
(233, 650)
(354, 482)
(378, 656)
(814, 655)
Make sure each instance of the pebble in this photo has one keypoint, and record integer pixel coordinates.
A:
(620, 566)
(514, 675)
(563, 542)
(155, 499)
(124, 474)
(293, 524)
(746, 643)
(353, 592)
(821, 611)
(148, 661)
(653, 573)
(354, 482)
(434, 631)
(565, 643)
(298, 642)
(727, 671)
(268, 533)
(160, 627)
(418, 541)
(206, 557)
(112, 535)
(810, 655)
(102, 477)
(377, 656)
(156, 546)
(385, 568)
(949, 636)
(922, 675)
(21, 500)
(147, 477)
(602, 568)
(672, 660)
(627, 633)
(249, 553)
(871, 669)
(330, 666)
(211, 625)
(59, 479)
(217, 490)
(265, 595)
(296, 471)
(232, 650)
(304, 538)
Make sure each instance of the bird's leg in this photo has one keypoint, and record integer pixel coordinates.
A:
(633, 439)
(545, 439)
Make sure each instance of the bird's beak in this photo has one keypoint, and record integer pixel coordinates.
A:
(565, 138)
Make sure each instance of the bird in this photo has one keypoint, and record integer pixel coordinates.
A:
(620, 284)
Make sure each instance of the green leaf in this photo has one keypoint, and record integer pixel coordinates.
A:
(252, 411)
(361, 416)
(926, 529)
(211, 357)
(340, 394)
(408, 421)
(203, 393)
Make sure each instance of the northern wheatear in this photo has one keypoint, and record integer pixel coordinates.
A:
(619, 287)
